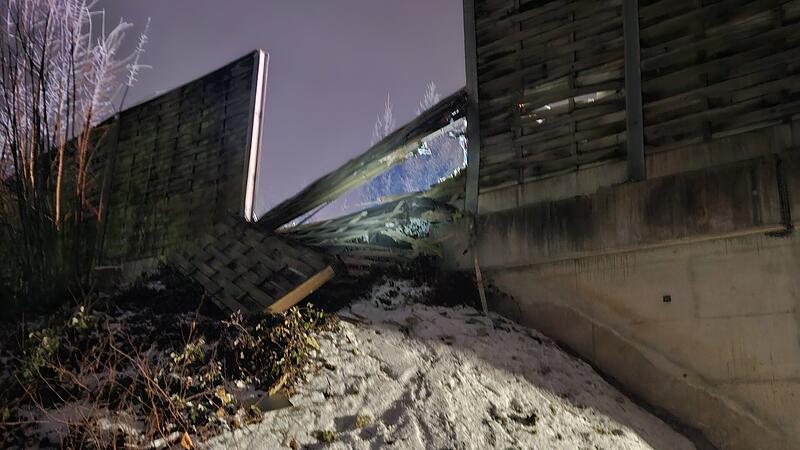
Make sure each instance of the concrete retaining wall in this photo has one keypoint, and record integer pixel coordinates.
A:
(723, 355)
(684, 288)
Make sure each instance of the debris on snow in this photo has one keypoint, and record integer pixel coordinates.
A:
(402, 373)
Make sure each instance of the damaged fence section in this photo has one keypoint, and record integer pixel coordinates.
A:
(184, 165)
(385, 236)
(244, 269)
(271, 266)
(394, 148)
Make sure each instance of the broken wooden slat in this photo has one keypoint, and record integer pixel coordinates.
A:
(300, 292)
(384, 236)
(389, 151)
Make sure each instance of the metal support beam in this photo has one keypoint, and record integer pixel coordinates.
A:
(258, 96)
(633, 92)
(473, 115)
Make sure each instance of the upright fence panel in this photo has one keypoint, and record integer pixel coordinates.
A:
(552, 79)
(717, 69)
(551, 86)
(175, 165)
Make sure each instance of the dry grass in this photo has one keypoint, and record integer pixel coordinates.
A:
(152, 366)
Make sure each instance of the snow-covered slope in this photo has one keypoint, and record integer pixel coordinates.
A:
(401, 374)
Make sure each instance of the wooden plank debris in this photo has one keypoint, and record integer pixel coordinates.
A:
(381, 237)
(300, 292)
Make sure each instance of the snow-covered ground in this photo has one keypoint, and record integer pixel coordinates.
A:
(401, 374)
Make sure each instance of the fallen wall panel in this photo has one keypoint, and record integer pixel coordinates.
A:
(246, 269)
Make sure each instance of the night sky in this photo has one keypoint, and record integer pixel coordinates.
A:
(332, 63)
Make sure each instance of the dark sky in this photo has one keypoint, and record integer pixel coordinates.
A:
(332, 62)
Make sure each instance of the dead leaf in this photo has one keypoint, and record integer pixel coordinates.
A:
(186, 441)
(312, 342)
(224, 397)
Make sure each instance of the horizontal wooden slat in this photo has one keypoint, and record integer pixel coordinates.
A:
(709, 69)
(178, 164)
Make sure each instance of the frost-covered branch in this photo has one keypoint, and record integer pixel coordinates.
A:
(434, 161)
(385, 124)
(61, 68)
(430, 98)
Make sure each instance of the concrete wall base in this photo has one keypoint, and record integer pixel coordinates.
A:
(723, 355)
(684, 288)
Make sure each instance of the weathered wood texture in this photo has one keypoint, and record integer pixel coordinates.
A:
(380, 157)
(551, 81)
(715, 69)
(176, 164)
(551, 78)
(244, 268)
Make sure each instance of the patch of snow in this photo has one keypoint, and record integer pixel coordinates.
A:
(156, 286)
(412, 376)
(53, 425)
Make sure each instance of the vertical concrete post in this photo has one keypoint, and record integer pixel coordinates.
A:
(633, 92)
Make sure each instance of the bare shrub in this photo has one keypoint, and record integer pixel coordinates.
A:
(60, 71)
